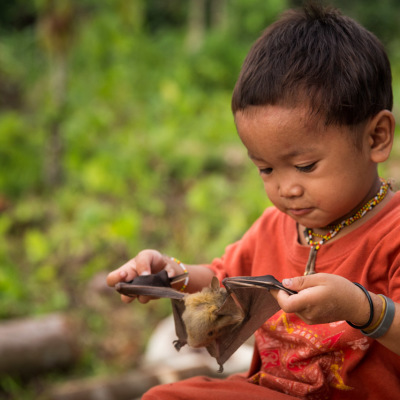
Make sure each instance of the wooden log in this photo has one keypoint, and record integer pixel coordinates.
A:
(33, 345)
(122, 387)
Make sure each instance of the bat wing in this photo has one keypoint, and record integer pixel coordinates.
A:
(157, 285)
(264, 281)
(253, 295)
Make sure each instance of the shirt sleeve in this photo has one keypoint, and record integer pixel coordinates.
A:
(238, 257)
(394, 268)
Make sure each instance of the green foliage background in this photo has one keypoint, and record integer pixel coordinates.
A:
(150, 157)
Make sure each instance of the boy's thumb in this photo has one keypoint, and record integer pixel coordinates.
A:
(298, 283)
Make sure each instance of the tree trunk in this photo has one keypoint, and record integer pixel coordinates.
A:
(55, 30)
(219, 15)
(54, 173)
(196, 25)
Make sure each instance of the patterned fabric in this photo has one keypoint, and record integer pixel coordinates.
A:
(305, 360)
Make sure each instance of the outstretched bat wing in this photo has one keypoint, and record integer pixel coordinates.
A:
(253, 295)
(157, 285)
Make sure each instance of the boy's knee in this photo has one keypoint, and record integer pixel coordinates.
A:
(159, 392)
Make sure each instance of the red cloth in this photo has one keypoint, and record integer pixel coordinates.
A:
(203, 388)
(327, 361)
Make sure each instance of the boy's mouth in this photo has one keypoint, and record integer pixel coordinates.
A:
(298, 212)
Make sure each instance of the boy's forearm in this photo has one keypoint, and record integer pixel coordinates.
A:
(391, 338)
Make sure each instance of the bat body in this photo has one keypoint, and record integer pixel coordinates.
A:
(202, 320)
(218, 318)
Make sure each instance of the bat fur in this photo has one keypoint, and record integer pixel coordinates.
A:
(203, 321)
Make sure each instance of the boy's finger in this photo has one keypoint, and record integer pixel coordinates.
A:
(127, 299)
(281, 296)
(302, 282)
(125, 273)
(146, 299)
(144, 263)
(274, 293)
(116, 276)
(130, 269)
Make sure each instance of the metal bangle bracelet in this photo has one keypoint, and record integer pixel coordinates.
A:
(371, 309)
(387, 320)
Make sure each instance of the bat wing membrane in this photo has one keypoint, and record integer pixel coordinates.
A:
(129, 289)
(258, 305)
(156, 285)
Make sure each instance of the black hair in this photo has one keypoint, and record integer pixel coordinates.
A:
(321, 58)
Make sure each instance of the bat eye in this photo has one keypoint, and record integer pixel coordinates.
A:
(210, 333)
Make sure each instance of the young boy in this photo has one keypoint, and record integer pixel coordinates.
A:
(312, 105)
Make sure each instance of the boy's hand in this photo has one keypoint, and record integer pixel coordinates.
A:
(145, 263)
(324, 298)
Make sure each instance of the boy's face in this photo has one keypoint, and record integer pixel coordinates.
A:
(313, 173)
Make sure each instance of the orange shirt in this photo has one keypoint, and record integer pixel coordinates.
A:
(326, 361)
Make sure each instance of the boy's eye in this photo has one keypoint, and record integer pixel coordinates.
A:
(266, 171)
(306, 168)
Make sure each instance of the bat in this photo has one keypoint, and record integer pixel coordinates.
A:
(218, 318)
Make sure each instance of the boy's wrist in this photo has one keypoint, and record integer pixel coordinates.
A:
(385, 320)
(180, 269)
(362, 310)
(378, 305)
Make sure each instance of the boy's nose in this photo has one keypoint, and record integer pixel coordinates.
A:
(290, 189)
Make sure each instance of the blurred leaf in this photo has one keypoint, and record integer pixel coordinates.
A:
(36, 246)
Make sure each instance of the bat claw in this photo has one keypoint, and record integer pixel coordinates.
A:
(178, 344)
(221, 369)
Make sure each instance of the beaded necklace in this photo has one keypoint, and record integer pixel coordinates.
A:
(335, 229)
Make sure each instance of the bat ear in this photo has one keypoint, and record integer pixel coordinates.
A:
(215, 285)
(229, 319)
(231, 311)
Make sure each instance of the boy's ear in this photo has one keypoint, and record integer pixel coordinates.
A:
(381, 135)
